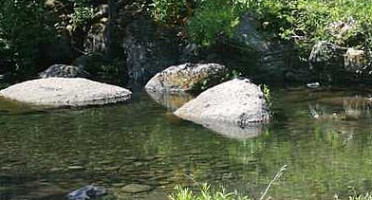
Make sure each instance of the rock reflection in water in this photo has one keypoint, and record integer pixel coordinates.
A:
(341, 108)
(234, 131)
(8, 106)
(171, 101)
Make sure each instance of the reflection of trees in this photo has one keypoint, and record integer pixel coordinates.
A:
(324, 156)
(133, 143)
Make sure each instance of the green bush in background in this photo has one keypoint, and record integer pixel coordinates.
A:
(302, 21)
(23, 27)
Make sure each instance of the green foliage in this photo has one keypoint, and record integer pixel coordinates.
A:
(206, 193)
(83, 13)
(169, 10)
(211, 19)
(302, 21)
(307, 21)
(23, 26)
(267, 93)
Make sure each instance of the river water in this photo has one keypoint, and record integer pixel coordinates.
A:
(323, 136)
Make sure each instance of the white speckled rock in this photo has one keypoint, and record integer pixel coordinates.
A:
(66, 92)
(238, 102)
(64, 71)
(187, 77)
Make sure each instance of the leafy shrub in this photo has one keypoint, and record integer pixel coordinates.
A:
(23, 26)
(169, 10)
(211, 19)
(83, 13)
(307, 21)
(302, 21)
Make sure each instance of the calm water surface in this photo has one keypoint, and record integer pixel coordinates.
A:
(46, 154)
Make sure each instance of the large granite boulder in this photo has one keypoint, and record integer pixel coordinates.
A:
(65, 92)
(64, 71)
(238, 102)
(187, 77)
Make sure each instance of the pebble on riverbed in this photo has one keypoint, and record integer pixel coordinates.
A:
(136, 188)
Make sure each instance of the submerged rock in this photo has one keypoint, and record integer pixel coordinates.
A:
(136, 188)
(171, 101)
(64, 71)
(87, 192)
(62, 92)
(187, 77)
(238, 102)
(234, 131)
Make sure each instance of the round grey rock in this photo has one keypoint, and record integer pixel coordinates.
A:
(66, 92)
(238, 102)
(136, 188)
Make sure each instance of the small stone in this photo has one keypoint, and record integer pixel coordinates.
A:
(138, 164)
(313, 85)
(55, 169)
(114, 168)
(105, 162)
(76, 167)
(136, 188)
(118, 185)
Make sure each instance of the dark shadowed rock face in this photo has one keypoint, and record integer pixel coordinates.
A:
(148, 50)
(266, 59)
(237, 102)
(187, 77)
(340, 63)
(66, 92)
(325, 55)
(95, 40)
(63, 71)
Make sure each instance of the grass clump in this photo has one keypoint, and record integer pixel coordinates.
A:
(206, 193)
(367, 196)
